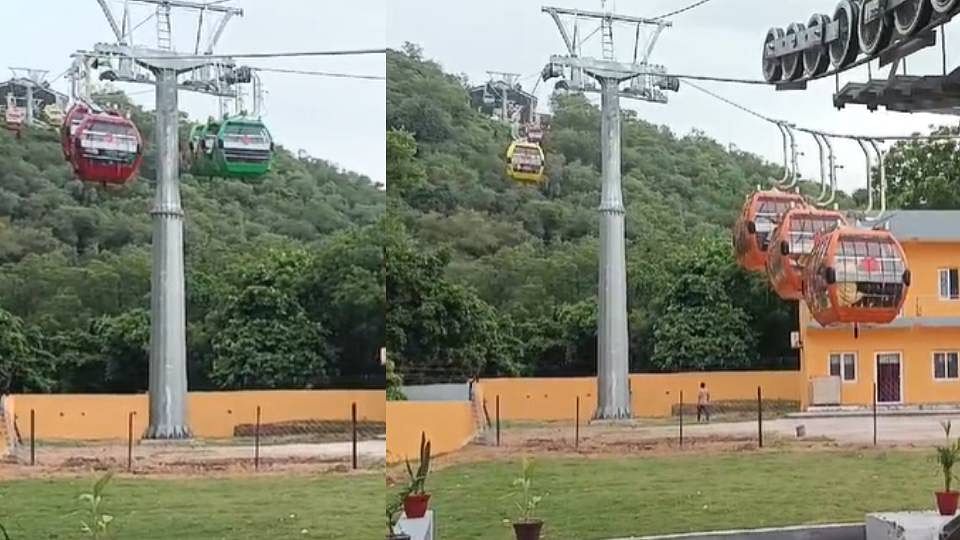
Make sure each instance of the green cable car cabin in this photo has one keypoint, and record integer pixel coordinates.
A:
(235, 147)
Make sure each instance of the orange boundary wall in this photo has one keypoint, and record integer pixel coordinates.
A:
(210, 414)
(653, 395)
(449, 426)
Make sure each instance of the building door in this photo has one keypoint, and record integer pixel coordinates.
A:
(888, 378)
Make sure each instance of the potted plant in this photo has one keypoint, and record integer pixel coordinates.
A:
(947, 457)
(527, 527)
(393, 514)
(416, 500)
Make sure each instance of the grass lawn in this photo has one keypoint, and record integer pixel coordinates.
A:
(187, 509)
(614, 498)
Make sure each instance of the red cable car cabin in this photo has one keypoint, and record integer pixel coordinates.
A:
(791, 245)
(856, 276)
(71, 121)
(761, 213)
(107, 149)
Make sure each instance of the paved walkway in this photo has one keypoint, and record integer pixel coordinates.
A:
(924, 429)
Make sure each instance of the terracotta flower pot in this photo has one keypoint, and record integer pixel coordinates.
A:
(415, 506)
(528, 530)
(947, 502)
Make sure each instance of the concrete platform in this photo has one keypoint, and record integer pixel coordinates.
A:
(838, 531)
(881, 526)
(905, 526)
(419, 529)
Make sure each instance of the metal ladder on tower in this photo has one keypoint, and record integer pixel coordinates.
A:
(606, 29)
(163, 27)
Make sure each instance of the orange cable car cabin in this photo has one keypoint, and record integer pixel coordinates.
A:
(856, 276)
(791, 245)
(106, 149)
(761, 213)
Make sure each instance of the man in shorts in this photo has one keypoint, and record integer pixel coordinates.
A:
(703, 403)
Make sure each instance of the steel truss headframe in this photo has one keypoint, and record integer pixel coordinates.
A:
(646, 81)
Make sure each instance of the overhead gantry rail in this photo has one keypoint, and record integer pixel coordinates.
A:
(857, 34)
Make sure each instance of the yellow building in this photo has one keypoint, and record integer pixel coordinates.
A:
(914, 360)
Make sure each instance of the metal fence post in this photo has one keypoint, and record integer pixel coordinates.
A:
(33, 437)
(130, 441)
(760, 417)
(874, 414)
(256, 442)
(576, 433)
(353, 415)
(498, 419)
(681, 419)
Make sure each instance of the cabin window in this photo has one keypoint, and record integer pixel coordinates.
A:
(949, 284)
(844, 365)
(946, 366)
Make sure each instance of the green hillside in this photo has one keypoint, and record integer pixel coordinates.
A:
(492, 277)
(284, 274)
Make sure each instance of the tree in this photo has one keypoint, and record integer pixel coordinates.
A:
(344, 289)
(21, 362)
(434, 328)
(125, 348)
(394, 383)
(701, 330)
(924, 174)
(266, 340)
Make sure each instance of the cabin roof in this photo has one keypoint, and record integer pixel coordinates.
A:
(923, 225)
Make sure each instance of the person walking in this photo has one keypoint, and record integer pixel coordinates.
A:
(703, 403)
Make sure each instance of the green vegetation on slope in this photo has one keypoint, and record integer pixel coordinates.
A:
(285, 283)
(488, 277)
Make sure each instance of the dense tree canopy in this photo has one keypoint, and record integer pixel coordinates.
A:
(508, 273)
(285, 281)
(925, 174)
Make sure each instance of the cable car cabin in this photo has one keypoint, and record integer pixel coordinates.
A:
(761, 213)
(525, 162)
(856, 276)
(791, 244)
(14, 118)
(107, 149)
(71, 122)
(237, 147)
(200, 152)
(54, 114)
(534, 133)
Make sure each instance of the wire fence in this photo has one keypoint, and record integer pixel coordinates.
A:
(350, 440)
(739, 424)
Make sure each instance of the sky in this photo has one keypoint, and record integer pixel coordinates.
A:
(339, 120)
(720, 38)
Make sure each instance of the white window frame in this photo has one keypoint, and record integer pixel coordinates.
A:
(843, 373)
(946, 370)
(940, 292)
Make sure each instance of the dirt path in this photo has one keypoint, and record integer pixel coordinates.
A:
(195, 459)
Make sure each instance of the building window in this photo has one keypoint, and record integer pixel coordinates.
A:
(949, 284)
(945, 366)
(844, 365)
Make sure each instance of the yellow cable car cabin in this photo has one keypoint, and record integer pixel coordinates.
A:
(525, 162)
